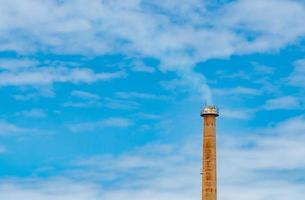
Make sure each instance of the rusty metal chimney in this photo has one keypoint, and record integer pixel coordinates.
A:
(209, 171)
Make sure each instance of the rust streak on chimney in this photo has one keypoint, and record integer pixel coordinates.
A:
(209, 171)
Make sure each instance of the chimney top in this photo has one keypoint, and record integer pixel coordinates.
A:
(209, 110)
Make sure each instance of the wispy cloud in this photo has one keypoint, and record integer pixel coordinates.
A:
(2, 149)
(249, 167)
(7, 128)
(15, 64)
(121, 104)
(149, 116)
(105, 123)
(286, 102)
(252, 166)
(34, 93)
(261, 18)
(142, 67)
(48, 189)
(297, 77)
(235, 75)
(139, 95)
(83, 99)
(237, 91)
(237, 113)
(50, 75)
(147, 29)
(84, 95)
(83, 104)
(33, 113)
(263, 69)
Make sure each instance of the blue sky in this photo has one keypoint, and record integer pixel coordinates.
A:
(101, 99)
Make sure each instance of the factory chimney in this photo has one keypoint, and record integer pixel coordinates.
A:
(209, 175)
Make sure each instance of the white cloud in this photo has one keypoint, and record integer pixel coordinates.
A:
(7, 128)
(152, 169)
(237, 91)
(149, 116)
(120, 104)
(174, 84)
(81, 104)
(235, 75)
(297, 77)
(291, 127)
(139, 95)
(39, 91)
(140, 28)
(189, 79)
(2, 149)
(287, 102)
(274, 151)
(271, 24)
(250, 166)
(105, 123)
(174, 172)
(49, 189)
(49, 75)
(84, 95)
(141, 67)
(33, 113)
(83, 99)
(263, 69)
(236, 113)
(15, 64)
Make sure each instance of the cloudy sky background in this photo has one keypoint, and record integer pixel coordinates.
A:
(100, 99)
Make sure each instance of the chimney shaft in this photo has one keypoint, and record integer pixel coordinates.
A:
(209, 172)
